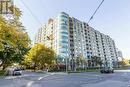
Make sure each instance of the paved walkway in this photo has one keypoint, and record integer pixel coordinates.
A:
(109, 83)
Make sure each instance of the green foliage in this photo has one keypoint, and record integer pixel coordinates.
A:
(80, 61)
(14, 41)
(39, 56)
(97, 60)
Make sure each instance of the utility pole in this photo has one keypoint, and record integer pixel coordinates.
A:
(66, 65)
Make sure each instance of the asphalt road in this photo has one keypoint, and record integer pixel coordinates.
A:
(120, 78)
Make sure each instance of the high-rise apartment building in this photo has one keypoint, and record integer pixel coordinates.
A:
(71, 38)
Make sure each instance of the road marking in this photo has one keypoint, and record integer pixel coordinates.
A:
(43, 77)
(97, 75)
(30, 83)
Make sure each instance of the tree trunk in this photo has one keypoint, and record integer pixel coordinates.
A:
(4, 66)
(34, 67)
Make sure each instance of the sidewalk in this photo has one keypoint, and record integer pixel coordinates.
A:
(109, 83)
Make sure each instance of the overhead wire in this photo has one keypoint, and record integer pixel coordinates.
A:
(33, 15)
(95, 11)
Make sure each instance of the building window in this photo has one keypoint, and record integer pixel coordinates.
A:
(64, 37)
(88, 57)
(63, 27)
(64, 16)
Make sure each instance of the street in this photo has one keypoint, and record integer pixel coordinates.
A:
(121, 78)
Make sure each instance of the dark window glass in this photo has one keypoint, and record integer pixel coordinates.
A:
(64, 32)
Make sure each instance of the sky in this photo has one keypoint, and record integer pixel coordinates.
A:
(113, 17)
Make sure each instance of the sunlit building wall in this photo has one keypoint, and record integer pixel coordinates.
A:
(71, 38)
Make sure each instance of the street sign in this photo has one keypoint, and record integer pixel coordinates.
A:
(5, 6)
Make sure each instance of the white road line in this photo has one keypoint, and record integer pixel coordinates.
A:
(30, 83)
(96, 75)
(43, 77)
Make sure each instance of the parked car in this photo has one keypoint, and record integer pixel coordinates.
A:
(107, 70)
(17, 71)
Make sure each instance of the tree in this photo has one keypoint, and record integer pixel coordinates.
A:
(96, 61)
(39, 56)
(124, 62)
(80, 61)
(14, 41)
